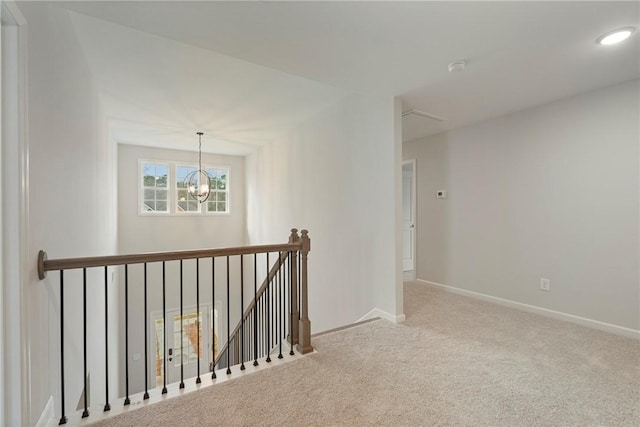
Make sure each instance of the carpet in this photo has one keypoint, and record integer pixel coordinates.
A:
(455, 361)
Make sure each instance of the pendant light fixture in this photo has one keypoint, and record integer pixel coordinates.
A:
(198, 183)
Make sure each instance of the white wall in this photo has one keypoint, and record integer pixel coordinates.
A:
(334, 174)
(139, 233)
(71, 207)
(547, 192)
(146, 233)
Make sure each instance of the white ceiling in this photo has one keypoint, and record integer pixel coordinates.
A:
(158, 92)
(520, 54)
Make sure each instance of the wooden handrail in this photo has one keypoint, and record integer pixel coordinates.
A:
(45, 264)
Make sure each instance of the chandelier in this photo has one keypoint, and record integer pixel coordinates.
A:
(198, 183)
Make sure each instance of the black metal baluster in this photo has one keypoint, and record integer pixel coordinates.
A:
(63, 417)
(213, 315)
(181, 331)
(242, 312)
(127, 401)
(146, 338)
(299, 284)
(107, 406)
(280, 303)
(85, 413)
(255, 309)
(291, 261)
(260, 327)
(271, 288)
(272, 310)
(228, 320)
(268, 328)
(164, 328)
(198, 380)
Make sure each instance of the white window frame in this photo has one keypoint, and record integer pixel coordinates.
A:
(141, 188)
(172, 188)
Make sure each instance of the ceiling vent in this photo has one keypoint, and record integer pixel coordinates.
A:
(423, 114)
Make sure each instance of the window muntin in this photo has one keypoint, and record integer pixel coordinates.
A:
(155, 195)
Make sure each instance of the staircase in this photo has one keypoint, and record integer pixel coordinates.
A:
(273, 323)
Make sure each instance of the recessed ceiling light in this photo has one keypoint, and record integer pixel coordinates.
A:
(615, 36)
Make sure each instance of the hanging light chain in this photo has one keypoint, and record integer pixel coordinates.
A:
(200, 150)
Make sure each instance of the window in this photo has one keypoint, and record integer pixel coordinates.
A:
(218, 200)
(155, 196)
(163, 190)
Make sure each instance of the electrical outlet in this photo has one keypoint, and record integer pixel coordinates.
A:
(545, 284)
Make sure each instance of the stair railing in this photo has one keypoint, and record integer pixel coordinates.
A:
(276, 316)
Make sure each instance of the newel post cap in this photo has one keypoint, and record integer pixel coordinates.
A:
(306, 241)
(42, 257)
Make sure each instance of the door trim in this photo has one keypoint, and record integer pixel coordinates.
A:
(15, 398)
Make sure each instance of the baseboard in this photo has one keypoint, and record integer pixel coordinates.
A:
(377, 313)
(47, 416)
(595, 324)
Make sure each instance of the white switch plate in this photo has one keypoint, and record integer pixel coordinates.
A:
(545, 284)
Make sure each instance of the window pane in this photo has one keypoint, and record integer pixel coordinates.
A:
(149, 205)
(182, 172)
(148, 181)
(222, 197)
(193, 206)
(211, 206)
(161, 207)
(182, 195)
(182, 206)
(222, 207)
(149, 194)
(161, 175)
(161, 194)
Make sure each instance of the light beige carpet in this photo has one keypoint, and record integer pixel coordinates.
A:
(456, 361)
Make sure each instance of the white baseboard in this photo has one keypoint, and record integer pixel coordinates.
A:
(595, 324)
(47, 417)
(376, 312)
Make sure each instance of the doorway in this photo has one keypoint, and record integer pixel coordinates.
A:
(191, 337)
(408, 218)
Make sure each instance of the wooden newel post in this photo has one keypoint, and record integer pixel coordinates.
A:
(295, 314)
(304, 346)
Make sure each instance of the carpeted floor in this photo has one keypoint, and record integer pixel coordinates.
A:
(456, 361)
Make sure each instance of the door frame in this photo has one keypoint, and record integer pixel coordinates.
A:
(413, 164)
(15, 385)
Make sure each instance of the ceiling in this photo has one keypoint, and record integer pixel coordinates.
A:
(519, 55)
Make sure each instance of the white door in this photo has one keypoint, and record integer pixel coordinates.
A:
(187, 353)
(408, 215)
